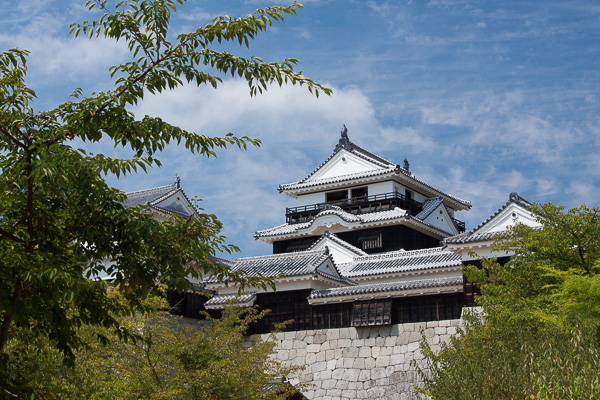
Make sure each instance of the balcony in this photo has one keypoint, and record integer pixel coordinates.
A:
(361, 205)
(355, 205)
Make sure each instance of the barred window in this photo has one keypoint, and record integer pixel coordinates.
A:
(371, 313)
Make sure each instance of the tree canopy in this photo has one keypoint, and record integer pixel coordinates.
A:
(59, 220)
(537, 336)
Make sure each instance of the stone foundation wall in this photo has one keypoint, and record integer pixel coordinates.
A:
(360, 363)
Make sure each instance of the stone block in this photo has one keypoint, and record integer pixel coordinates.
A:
(345, 333)
(413, 346)
(319, 366)
(351, 352)
(358, 343)
(300, 335)
(451, 330)
(375, 351)
(409, 327)
(330, 354)
(342, 385)
(379, 341)
(429, 332)
(390, 341)
(319, 394)
(415, 336)
(376, 392)
(440, 330)
(444, 338)
(370, 342)
(298, 362)
(331, 364)
(286, 344)
(344, 343)
(333, 334)
(358, 363)
(382, 361)
(309, 339)
(339, 363)
(377, 373)
(320, 338)
(333, 344)
(354, 385)
(299, 353)
(396, 359)
(328, 384)
(386, 351)
(313, 348)
(283, 355)
(348, 362)
(364, 375)
(403, 338)
(289, 335)
(432, 324)
(334, 393)
(338, 353)
(337, 374)
(396, 329)
(311, 358)
(299, 345)
(364, 351)
(325, 374)
(369, 362)
(324, 346)
(420, 325)
(321, 356)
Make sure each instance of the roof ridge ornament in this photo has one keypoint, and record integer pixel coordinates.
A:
(344, 140)
(177, 181)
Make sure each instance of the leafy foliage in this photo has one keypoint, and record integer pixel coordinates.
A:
(538, 335)
(167, 360)
(60, 222)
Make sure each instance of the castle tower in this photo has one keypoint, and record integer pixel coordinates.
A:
(366, 201)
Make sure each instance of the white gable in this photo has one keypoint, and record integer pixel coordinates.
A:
(343, 163)
(513, 214)
(176, 203)
(440, 218)
(341, 254)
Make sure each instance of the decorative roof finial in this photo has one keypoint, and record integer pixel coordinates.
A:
(344, 141)
(406, 166)
(514, 196)
(177, 181)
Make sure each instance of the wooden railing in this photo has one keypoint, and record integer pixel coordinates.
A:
(361, 205)
(355, 205)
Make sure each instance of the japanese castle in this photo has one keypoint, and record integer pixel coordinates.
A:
(367, 244)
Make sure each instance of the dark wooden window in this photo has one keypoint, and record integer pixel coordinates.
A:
(371, 313)
(427, 308)
(186, 304)
(336, 196)
(359, 192)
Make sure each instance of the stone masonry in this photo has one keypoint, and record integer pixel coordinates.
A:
(360, 363)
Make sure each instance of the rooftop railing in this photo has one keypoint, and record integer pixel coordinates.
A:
(361, 205)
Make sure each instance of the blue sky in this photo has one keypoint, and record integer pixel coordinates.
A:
(483, 98)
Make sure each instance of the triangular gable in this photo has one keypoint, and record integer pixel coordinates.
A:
(439, 217)
(328, 268)
(513, 213)
(343, 163)
(341, 251)
(175, 202)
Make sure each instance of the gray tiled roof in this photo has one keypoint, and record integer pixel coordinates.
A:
(285, 265)
(346, 216)
(152, 197)
(473, 236)
(429, 206)
(400, 261)
(388, 215)
(387, 287)
(333, 237)
(222, 299)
